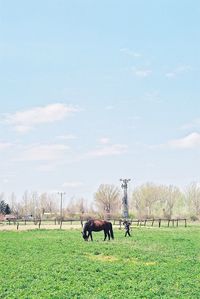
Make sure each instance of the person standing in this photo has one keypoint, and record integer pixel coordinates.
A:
(127, 228)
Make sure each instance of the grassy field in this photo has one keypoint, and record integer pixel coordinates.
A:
(153, 263)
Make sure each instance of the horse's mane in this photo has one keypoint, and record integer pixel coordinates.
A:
(87, 224)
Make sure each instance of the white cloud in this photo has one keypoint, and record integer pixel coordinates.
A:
(104, 140)
(134, 118)
(130, 52)
(5, 181)
(141, 73)
(153, 97)
(109, 107)
(109, 150)
(23, 121)
(178, 70)
(190, 141)
(48, 167)
(43, 152)
(72, 184)
(5, 145)
(22, 129)
(67, 137)
(195, 124)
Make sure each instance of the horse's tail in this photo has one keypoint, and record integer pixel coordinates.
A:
(111, 231)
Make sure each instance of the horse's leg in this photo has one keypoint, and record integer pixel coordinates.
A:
(91, 236)
(105, 234)
(108, 235)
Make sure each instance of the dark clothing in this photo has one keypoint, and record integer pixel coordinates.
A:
(127, 233)
(127, 228)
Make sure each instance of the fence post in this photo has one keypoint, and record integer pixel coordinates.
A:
(159, 222)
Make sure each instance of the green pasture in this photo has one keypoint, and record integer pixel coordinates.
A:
(153, 263)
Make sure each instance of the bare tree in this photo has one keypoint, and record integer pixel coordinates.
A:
(107, 199)
(25, 211)
(13, 202)
(152, 200)
(193, 199)
(171, 197)
(81, 206)
(147, 199)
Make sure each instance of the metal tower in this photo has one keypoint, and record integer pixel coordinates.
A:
(125, 198)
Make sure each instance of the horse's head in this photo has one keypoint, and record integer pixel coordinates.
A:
(85, 236)
(84, 232)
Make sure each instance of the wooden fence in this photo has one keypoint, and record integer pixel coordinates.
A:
(117, 222)
(159, 222)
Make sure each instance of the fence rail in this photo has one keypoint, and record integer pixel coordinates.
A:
(159, 221)
(118, 222)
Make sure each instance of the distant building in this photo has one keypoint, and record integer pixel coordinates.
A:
(10, 217)
(2, 217)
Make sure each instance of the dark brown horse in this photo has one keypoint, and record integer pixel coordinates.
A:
(97, 226)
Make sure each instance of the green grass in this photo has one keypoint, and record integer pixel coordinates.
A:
(153, 263)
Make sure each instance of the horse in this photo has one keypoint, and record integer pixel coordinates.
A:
(96, 226)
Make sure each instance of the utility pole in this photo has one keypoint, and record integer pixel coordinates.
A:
(125, 198)
(61, 203)
(35, 204)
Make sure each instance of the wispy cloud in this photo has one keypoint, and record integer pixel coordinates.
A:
(195, 124)
(7, 177)
(72, 184)
(5, 181)
(130, 52)
(178, 70)
(153, 97)
(190, 141)
(66, 137)
(141, 72)
(43, 152)
(108, 150)
(24, 121)
(104, 140)
(109, 107)
(5, 145)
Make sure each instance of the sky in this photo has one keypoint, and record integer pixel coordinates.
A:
(94, 91)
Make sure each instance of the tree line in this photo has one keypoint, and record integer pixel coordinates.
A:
(146, 201)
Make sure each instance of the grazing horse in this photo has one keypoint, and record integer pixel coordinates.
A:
(97, 226)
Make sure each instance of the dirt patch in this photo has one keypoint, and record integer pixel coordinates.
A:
(103, 258)
(12, 227)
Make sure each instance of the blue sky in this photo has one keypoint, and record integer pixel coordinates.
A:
(92, 91)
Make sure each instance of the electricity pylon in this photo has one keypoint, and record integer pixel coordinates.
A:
(125, 198)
